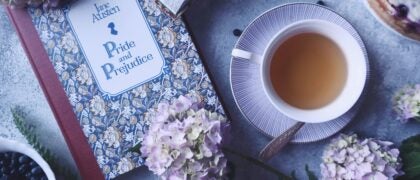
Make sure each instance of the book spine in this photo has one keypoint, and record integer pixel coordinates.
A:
(54, 92)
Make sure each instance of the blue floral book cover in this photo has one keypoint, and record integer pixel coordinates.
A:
(116, 60)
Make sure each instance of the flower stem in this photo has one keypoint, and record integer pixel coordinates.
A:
(259, 163)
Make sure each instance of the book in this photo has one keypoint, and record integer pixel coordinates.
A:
(104, 66)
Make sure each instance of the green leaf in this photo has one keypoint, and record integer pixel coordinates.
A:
(231, 170)
(412, 164)
(311, 175)
(135, 148)
(280, 175)
(294, 175)
(27, 131)
(410, 155)
(410, 144)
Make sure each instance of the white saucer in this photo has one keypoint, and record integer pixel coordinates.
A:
(245, 80)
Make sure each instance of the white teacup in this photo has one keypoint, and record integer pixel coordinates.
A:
(356, 70)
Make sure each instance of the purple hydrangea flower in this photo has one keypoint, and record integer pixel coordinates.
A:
(407, 103)
(183, 141)
(348, 157)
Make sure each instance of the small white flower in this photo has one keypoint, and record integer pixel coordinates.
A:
(152, 7)
(97, 106)
(184, 37)
(125, 165)
(112, 137)
(156, 87)
(169, 93)
(69, 44)
(140, 92)
(127, 112)
(74, 98)
(129, 137)
(56, 15)
(60, 67)
(198, 69)
(88, 129)
(46, 36)
(115, 105)
(111, 175)
(180, 68)
(167, 37)
(211, 100)
(101, 160)
(83, 75)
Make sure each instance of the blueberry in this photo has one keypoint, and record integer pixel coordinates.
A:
(33, 164)
(36, 170)
(322, 3)
(44, 178)
(402, 11)
(13, 163)
(28, 175)
(13, 172)
(15, 155)
(23, 168)
(5, 177)
(237, 32)
(24, 159)
(5, 170)
(7, 156)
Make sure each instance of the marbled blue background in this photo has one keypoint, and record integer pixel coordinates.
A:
(395, 61)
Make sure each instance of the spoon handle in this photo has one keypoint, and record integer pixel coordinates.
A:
(277, 144)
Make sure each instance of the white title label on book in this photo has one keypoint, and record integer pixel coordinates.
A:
(117, 42)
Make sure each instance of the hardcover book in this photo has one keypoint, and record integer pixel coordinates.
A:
(104, 65)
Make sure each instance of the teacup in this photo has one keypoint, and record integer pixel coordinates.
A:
(355, 65)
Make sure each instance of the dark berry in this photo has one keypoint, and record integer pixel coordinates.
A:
(5, 170)
(36, 170)
(19, 166)
(402, 11)
(13, 172)
(24, 159)
(33, 164)
(7, 156)
(15, 156)
(13, 163)
(237, 32)
(23, 168)
(322, 3)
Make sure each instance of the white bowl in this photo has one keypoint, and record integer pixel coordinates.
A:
(14, 146)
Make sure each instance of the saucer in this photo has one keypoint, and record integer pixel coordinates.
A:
(245, 77)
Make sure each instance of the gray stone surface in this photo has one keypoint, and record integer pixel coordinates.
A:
(394, 63)
(19, 87)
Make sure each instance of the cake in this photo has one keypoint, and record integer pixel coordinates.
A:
(401, 15)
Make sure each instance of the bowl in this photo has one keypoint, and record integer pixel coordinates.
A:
(14, 146)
